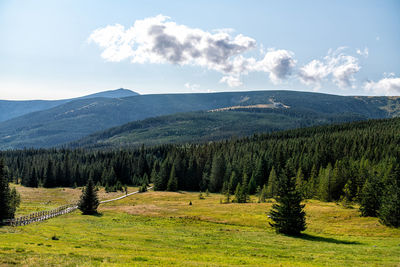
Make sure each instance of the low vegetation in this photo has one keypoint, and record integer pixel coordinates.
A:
(160, 228)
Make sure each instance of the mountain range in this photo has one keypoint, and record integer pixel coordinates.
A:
(152, 119)
(13, 108)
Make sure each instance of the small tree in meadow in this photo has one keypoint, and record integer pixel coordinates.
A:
(288, 216)
(89, 201)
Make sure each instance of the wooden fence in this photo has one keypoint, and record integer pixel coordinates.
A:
(44, 215)
(40, 215)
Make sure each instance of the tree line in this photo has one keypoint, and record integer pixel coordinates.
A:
(351, 162)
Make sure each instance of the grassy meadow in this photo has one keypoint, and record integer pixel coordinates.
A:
(161, 228)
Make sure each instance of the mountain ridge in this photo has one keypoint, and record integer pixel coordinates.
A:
(76, 119)
(10, 109)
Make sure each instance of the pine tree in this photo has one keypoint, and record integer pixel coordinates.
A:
(259, 174)
(33, 179)
(217, 173)
(272, 183)
(161, 180)
(252, 186)
(226, 190)
(241, 195)
(326, 183)
(89, 201)
(312, 183)
(173, 181)
(300, 182)
(263, 194)
(9, 198)
(346, 197)
(233, 181)
(50, 179)
(389, 212)
(288, 216)
(370, 197)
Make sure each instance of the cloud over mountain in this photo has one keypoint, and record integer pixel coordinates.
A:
(389, 85)
(337, 65)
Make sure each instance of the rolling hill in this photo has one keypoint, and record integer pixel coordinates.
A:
(78, 118)
(11, 108)
(200, 127)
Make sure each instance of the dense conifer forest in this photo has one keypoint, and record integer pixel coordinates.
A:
(351, 162)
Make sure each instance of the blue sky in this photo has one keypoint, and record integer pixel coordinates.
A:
(61, 49)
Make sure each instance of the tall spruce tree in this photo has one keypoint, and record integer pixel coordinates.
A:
(89, 201)
(370, 197)
(389, 211)
(173, 181)
(241, 194)
(288, 216)
(272, 183)
(50, 179)
(9, 198)
(217, 173)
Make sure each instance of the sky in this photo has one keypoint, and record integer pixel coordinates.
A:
(68, 48)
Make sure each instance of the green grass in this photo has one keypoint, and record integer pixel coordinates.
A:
(160, 228)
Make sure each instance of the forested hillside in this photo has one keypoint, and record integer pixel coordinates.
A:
(76, 119)
(201, 127)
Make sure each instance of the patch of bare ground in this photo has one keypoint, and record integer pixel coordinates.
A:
(140, 209)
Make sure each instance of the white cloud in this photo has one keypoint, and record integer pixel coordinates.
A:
(363, 53)
(232, 81)
(313, 73)
(339, 66)
(192, 86)
(386, 86)
(160, 40)
(279, 64)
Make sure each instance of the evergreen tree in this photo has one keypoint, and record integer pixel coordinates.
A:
(325, 183)
(252, 186)
(288, 216)
(50, 179)
(346, 197)
(233, 181)
(33, 179)
(389, 212)
(173, 181)
(272, 184)
(162, 178)
(300, 182)
(259, 174)
(239, 194)
(226, 190)
(89, 201)
(9, 198)
(370, 197)
(312, 183)
(263, 194)
(217, 173)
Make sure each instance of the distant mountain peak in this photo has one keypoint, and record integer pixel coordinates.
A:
(116, 93)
